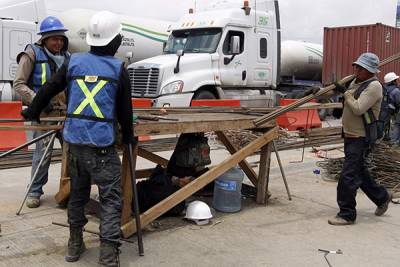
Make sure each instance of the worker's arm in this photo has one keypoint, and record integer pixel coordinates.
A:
(56, 84)
(24, 70)
(124, 107)
(366, 100)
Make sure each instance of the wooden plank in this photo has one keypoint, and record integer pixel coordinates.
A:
(65, 181)
(194, 126)
(152, 157)
(263, 174)
(191, 188)
(248, 170)
(30, 127)
(126, 183)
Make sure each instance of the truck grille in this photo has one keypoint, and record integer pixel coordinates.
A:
(144, 81)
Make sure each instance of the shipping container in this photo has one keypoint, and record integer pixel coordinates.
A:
(343, 45)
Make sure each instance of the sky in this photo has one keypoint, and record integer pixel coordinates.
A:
(300, 19)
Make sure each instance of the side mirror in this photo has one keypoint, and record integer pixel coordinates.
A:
(235, 45)
(180, 52)
(164, 44)
(129, 56)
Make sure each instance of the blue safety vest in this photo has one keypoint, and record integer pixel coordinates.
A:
(42, 71)
(92, 89)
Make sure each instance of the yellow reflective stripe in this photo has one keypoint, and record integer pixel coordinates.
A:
(367, 118)
(90, 97)
(43, 73)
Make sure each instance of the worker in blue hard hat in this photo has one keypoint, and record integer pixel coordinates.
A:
(36, 65)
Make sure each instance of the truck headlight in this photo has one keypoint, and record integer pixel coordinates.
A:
(172, 88)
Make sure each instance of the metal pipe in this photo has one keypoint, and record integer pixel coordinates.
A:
(281, 168)
(87, 231)
(136, 201)
(28, 143)
(37, 171)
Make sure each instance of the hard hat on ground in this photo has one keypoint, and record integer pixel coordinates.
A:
(199, 212)
(390, 77)
(104, 26)
(368, 61)
(51, 24)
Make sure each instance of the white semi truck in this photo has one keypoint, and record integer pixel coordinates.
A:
(19, 23)
(225, 52)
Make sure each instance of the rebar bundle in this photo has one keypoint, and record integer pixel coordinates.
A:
(383, 164)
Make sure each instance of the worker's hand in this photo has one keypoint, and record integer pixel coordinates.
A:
(311, 91)
(339, 88)
(27, 114)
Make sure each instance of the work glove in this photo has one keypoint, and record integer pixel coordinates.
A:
(339, 88)
(311, 91)
(28, 115)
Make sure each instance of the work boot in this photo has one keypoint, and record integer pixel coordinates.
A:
(33, 202)
(76, 246)
(380, 210)
(109, 254)
(339, 221)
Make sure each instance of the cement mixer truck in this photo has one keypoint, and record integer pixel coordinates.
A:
(224, 52)
(19, 22)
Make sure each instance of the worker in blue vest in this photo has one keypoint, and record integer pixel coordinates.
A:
(36, 65)
(393, 99)
(98, 92)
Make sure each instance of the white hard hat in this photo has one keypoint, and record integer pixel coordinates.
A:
(199, 212)
(103, 27)
(390, 77)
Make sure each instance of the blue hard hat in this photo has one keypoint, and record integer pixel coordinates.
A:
(51, 24)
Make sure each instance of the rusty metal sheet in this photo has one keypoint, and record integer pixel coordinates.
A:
(342, 46)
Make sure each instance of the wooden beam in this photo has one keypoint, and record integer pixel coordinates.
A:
(191, 188)
(263, 174)
(65, 181)
(152, 157)
(248, 170)
(126, 183)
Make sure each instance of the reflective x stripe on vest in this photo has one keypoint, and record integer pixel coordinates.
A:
(43, 73)
(89, 100)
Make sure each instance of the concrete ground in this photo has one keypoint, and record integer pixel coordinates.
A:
(283, 233)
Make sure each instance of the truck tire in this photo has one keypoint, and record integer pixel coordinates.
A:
(204, 94)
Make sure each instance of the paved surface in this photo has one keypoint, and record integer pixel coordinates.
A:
(283, 233)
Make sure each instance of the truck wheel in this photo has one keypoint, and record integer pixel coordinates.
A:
(204, 95)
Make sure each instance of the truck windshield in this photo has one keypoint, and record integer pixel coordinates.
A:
(193, 40)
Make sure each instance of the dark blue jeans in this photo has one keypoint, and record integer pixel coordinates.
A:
(355, 175)
(103, 167)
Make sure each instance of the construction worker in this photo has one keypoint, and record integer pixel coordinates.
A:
(98, 92)
(393, 99)
(36, 65)
(362, 102)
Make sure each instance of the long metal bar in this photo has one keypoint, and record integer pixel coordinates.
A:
(273, 115)
(281, 168)
(136, 201)
(36, 171)
(28, 143)
(87, 231)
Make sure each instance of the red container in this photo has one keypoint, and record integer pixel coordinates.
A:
(343, 45)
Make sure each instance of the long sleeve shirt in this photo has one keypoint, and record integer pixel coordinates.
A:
(353, 109)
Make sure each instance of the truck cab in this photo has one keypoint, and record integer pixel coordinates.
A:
(223, 52)
(14, 36)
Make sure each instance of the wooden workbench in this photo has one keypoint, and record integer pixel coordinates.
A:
(198, 122)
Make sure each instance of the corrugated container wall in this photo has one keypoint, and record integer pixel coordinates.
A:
(343, 45)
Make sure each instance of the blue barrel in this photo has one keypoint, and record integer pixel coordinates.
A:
(227, 191)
